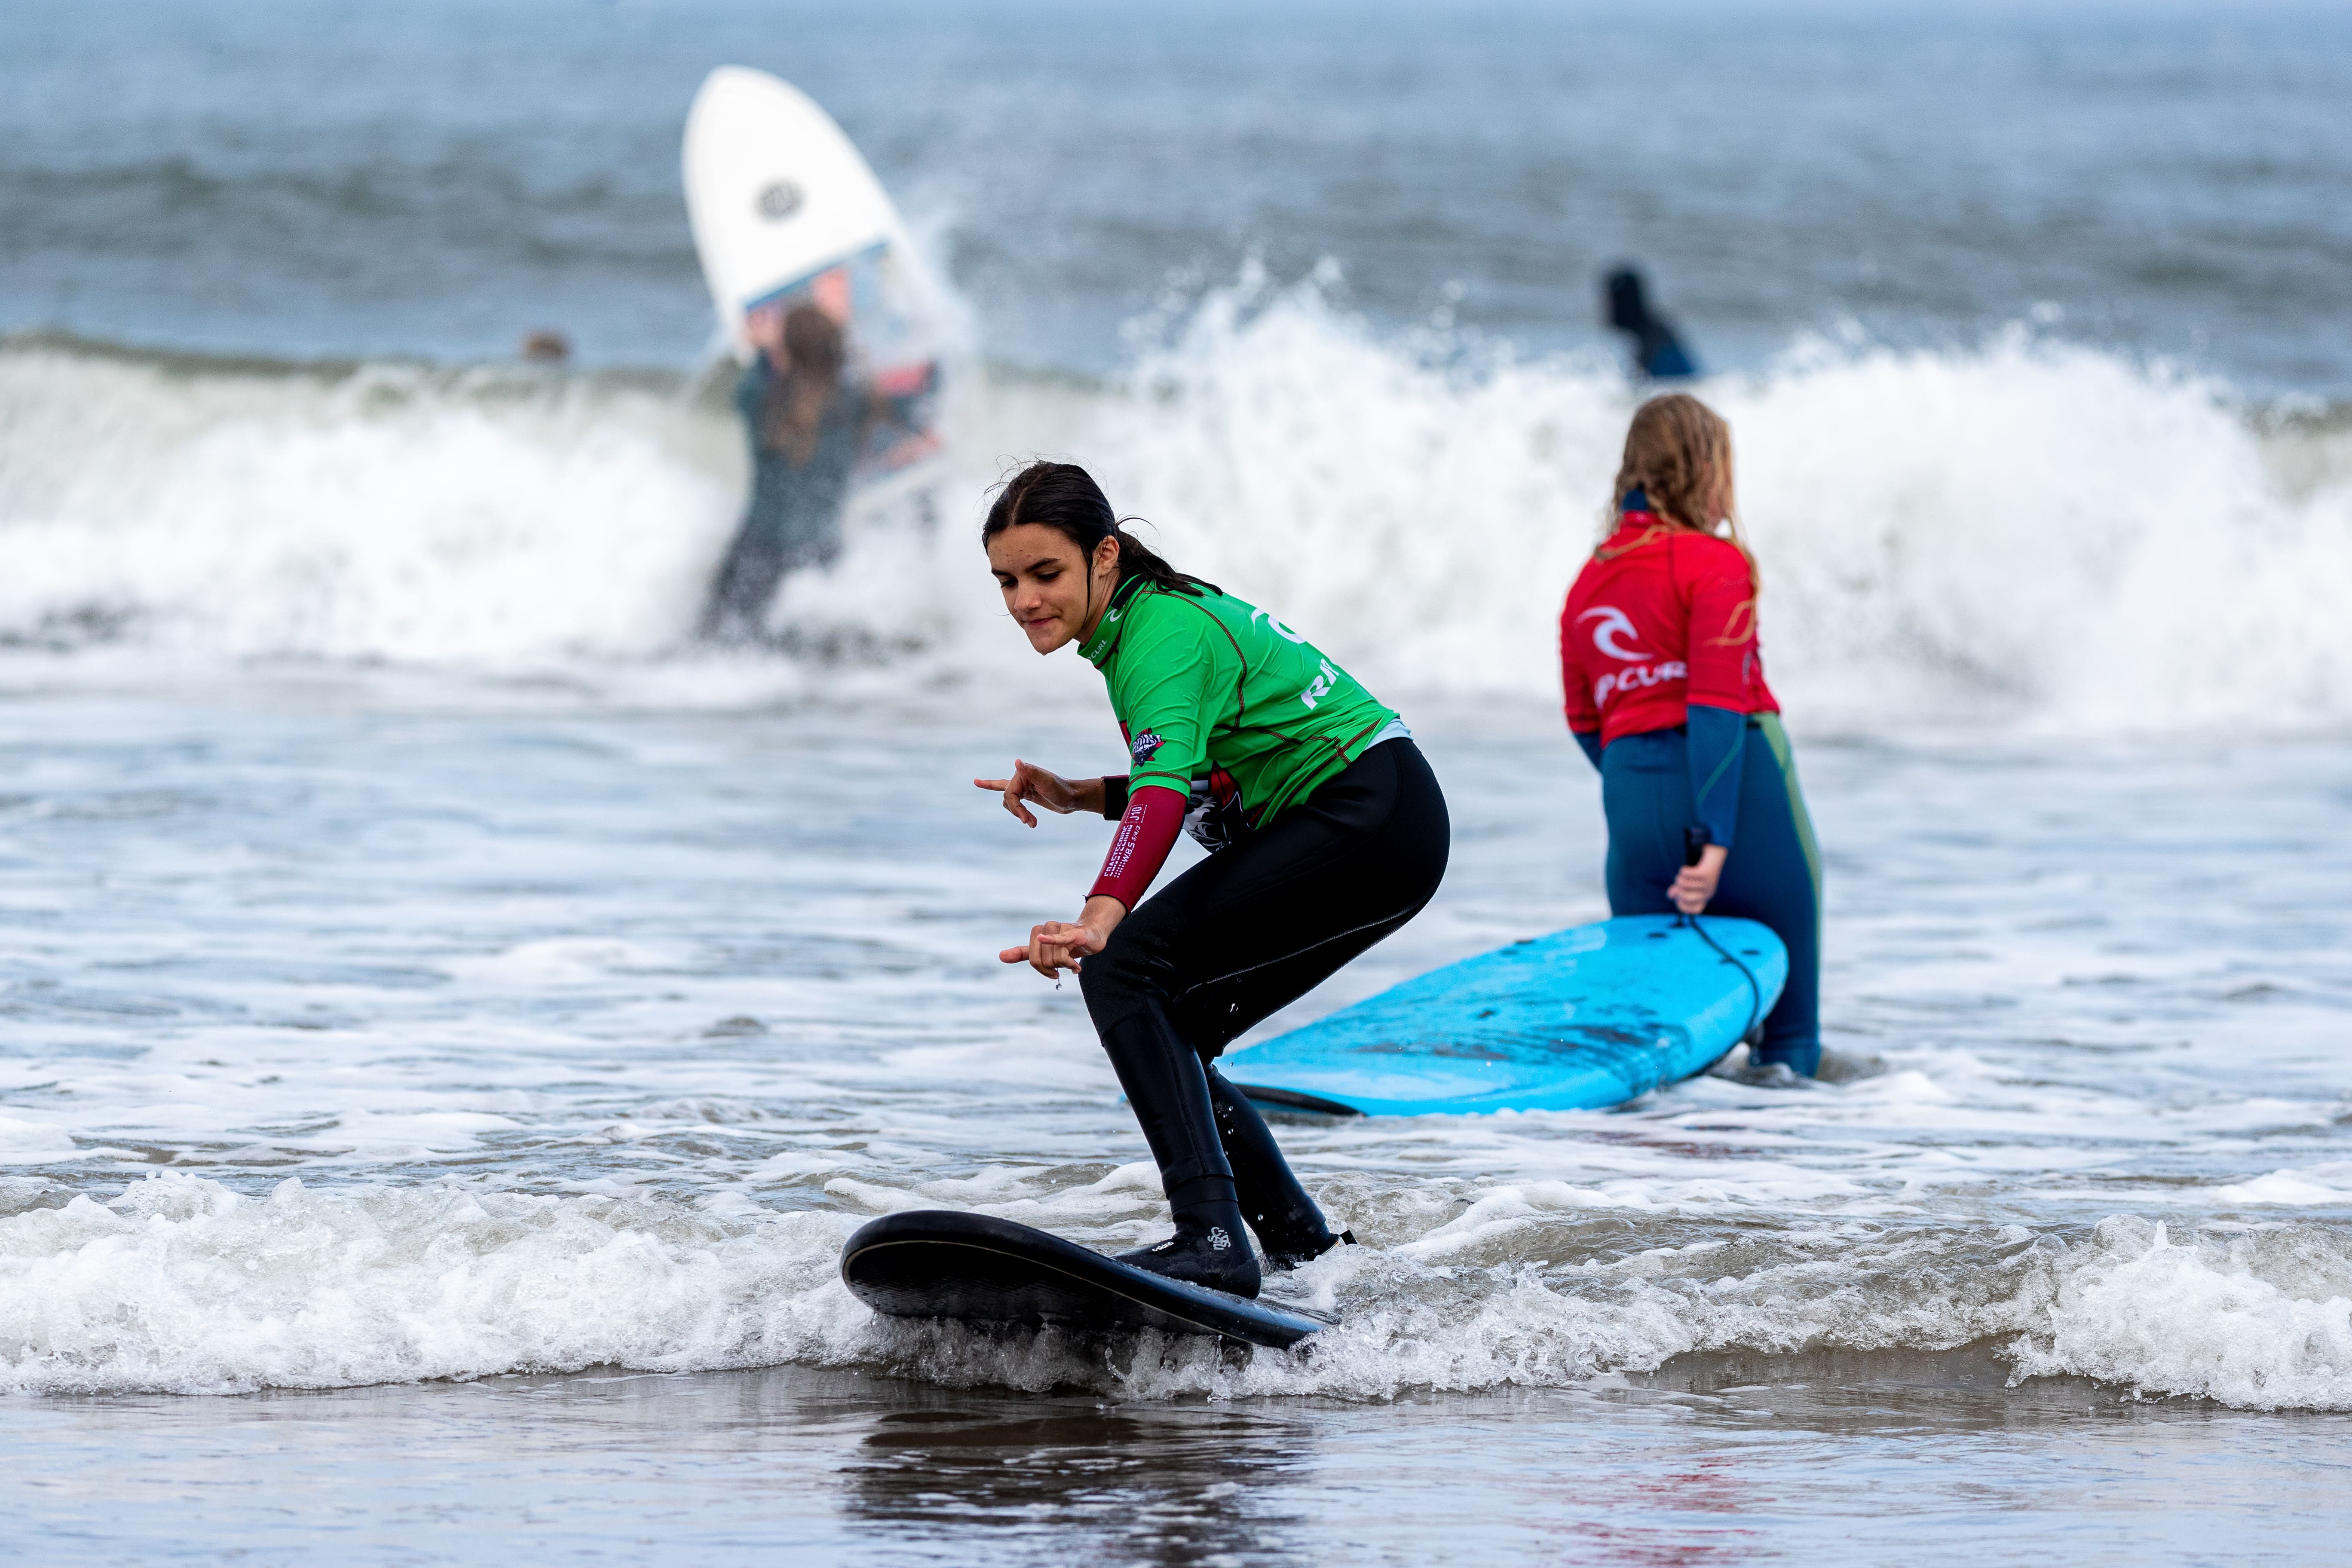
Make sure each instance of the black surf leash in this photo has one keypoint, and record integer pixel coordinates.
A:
(1695, 843)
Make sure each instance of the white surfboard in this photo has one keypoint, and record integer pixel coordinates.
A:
(784, 211)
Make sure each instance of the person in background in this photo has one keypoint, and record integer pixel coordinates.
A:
(807, 428)
(1658, 354)
(546, 346)
(1665, 683)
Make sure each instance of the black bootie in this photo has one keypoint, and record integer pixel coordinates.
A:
(1208, 1249)
(1289, 1228)
(1169, 1089)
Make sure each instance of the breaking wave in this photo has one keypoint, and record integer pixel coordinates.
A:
(182, 1285)
(2019, 529)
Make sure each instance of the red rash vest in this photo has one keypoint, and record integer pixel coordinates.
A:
(1660, 617)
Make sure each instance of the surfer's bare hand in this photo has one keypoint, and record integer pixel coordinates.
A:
(765, 327)
(1695, 885)
(1053, 946)
(1061, 944)
(1054, 792)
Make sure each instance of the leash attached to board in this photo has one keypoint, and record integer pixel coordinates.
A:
(1695, 843)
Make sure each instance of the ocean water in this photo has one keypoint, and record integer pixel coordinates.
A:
(450, 1022)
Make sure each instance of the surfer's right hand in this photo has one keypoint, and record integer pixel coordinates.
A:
(1054, 792)
(1053, 946)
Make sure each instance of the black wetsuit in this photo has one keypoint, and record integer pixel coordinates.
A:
(1250, 929)
(1658, 353)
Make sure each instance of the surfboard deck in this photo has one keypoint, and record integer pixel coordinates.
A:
(1582, 1019)
(786, 211)
(942, 1263)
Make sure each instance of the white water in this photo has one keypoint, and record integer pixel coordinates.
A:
(425, 965)
(2026, 531)
(356, 1032)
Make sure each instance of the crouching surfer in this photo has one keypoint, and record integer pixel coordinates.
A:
(1665, 694)
(1326, 827)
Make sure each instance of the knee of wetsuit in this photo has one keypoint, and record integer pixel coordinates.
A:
(1123, 970)
(1803, 1057)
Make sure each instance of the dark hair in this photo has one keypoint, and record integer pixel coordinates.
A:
(1065, 497)
(794, 412)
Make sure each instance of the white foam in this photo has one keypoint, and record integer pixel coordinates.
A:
(2043, 533)
(24, 1141)
(180, 1284)
(2327, 1183)
(2165, 1319)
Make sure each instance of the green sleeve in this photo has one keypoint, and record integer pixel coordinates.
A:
(1167, 672)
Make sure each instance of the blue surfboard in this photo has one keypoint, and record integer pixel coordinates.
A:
(1583, 1018)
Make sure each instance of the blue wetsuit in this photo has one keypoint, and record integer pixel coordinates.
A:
(793, 519)
(1754, 808)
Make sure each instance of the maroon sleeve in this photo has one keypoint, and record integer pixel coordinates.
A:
(1154, 818)
(1722, 627)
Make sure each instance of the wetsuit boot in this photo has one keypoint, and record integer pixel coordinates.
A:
(1169, 1089)
(1290, 1229)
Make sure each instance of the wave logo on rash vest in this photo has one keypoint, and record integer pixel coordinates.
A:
(1277, 628)
(1614, 623)
(1146, 747)
(1611, 637)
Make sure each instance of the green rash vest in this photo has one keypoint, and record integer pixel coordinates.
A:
(1227, 706)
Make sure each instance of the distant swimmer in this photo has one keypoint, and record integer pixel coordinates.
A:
(1664, 680)
(1657, 352)
(546, 346)
(808, 427)
(1325, 828)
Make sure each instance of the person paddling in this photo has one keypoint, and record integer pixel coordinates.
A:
(1665, 693)
(1326, 827)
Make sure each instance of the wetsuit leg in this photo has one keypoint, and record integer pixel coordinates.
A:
(746, 582)
(1773, 875)
(1645, 794)
(1245, 931)
(1290, 1229)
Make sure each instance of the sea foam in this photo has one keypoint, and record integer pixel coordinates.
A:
(2021, 530)
(180, 1284)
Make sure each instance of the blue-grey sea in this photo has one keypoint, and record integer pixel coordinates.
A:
(450, 1019)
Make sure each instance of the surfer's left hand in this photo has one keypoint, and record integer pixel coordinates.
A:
(1061, 944)
(1695, 885)
(1046, 788)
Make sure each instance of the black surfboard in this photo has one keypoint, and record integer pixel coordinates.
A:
(938, 1263)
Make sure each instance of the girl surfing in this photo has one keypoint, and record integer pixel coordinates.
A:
(1326, 827)
(1665, 693)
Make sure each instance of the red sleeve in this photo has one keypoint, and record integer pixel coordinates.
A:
(1722, 627)
(1576, 690)
(1154, 816)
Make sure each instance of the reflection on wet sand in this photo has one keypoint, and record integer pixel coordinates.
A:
(1926, 1458)
(1088, 1483)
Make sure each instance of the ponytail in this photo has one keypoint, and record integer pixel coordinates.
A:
(1065, 497)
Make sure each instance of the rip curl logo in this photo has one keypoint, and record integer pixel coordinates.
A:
(1218, 1239)
(1320, 686)
(1617, 685)
(1614, 623)
(1146, 747)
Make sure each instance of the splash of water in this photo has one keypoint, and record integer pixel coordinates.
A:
(2037, 532)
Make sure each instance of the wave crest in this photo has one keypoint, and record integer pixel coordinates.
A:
(2032, 531)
